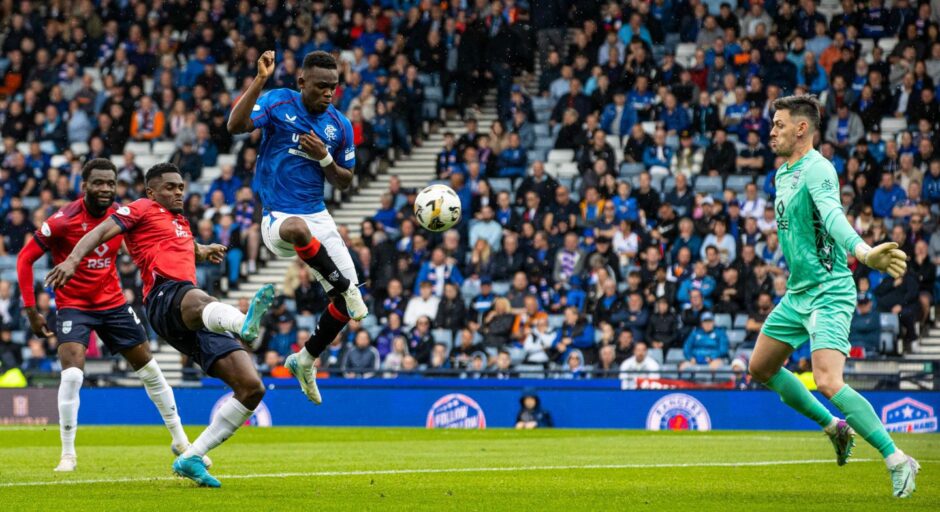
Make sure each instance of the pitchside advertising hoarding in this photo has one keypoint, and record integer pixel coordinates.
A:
(477, 404)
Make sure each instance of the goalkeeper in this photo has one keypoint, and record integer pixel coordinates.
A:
(820, 299)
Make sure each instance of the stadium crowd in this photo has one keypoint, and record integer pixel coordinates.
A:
(617, 215)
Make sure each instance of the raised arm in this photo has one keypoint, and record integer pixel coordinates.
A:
(64, 271)
(823, 188)
(239, 121)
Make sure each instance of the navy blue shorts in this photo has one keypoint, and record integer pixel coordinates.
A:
(118, 328)
(166, 318)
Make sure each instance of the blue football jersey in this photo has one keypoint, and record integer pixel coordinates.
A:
(287, 178)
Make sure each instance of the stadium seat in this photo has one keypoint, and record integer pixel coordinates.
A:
(866, 46)
(7, 262)
(138, 148)
(892, 125)
(556, 321)
(224, 160)
(675, 356)
(58, 161)
(669, 183)
(19, 337)
(685, 52)
(614, 141)
(561, 155)
(888, 344)
(740, 321)
(542, 103)
(501, 184)
(649, 127)
(631, 169)
(31, 203)
(501, 287)
(541, 131)
(566, 170)
(723, 320)
(738, 182)
(656, 354)
(307, 322)
(163, 147)
(434, 93)
(79, 148)
(374, 331)
(708, 185)
(889, 323)
(736, 337)
(445, 336)
(887, 44)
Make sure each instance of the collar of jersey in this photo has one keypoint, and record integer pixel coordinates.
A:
(799, 163)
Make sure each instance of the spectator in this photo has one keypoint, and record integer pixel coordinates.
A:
(227, 182)
(421, 342)
(865, 329)
(662, 330)
(706, 345)
(576, 335)
(638, 366)
(898, 296)
(887, 196)
(688, 158)
(425, 303)
(719, 157)
(513, 160)
(845, 129)
(147, 122)
(531, 415)
(437, 271)
(362, 360)
(188, 161)
(497, 324)
(205, 147)
(658, 156)
(569, 261)
(451, 312)
(755, 157)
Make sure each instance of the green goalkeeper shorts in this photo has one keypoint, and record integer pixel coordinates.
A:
(822, 315)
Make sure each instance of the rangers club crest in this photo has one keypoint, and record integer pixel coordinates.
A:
(908, 415)
(678, 411)
(330, 132)
(456, 411)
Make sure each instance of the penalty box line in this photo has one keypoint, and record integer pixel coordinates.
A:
(437, 470)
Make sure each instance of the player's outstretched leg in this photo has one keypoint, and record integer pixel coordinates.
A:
(72, 356)
(200, 310)
(236, 370)
(160, 393)
(301, 364)
(295, 231)
(828, 365)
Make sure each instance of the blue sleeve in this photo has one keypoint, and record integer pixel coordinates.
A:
(422, 276)
(687, 347)
(722, 343)
(261, 112)
(346, 155)
(683, 293)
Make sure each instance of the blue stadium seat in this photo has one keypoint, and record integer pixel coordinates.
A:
(656, 354)
(556, 321)
(501, 184)
(541, 130)
(7, 262)
(669, 184)
(444, 336)
(18, 337)
(434, 93)
(738, 182)
(889, 343)
(629, 169)
(501, 287)
(675, 356)
(736, 337)
(374, 331)
(740, 321)
(708, 185)
(889, 323)
(31, 203)
(307, 322)
(723, 320)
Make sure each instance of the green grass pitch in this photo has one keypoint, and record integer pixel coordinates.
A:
(128, 469)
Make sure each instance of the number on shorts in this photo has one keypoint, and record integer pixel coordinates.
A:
(133, 314)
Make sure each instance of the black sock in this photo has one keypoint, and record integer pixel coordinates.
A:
(318, 259)
(331, 323)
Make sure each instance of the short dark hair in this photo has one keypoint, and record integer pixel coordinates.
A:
(319, 59)
(161, 169)
(803, 105)
(98, 164)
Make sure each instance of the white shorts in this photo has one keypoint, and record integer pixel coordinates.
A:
(323, 228)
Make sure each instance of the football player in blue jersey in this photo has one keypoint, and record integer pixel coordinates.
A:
(304, 141)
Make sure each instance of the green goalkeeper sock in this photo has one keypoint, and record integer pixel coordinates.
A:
(793, 393)
(861, 416)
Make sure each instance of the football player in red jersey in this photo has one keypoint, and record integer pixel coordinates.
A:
(92, 301)
(158, 236)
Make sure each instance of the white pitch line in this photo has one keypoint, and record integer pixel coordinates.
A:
(440, 470)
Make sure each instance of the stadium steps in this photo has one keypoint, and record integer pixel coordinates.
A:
(927, 348)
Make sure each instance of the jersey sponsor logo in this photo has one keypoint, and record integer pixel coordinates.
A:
(297, 152)
(678, 411)
(260, 418)
(909, 415)
(181, 232)
(456, 411)
(45, 229)
(101, 250)
(289, 118)
(350, 153)
(66, 327)
(330, 132)
(125, 211)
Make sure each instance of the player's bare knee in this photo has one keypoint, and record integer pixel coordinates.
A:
(71, 355)
(759, 373)
(295, 231)
(827, 383)
(250, 392)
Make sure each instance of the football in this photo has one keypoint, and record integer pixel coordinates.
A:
(437, 208)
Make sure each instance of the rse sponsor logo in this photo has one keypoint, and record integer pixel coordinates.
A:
(678, 411)
(456, 411)
(909, 415)
(260, 418)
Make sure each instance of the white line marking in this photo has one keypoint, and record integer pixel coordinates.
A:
(440, 470)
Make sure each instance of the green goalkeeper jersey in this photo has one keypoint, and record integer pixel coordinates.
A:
(814, 233)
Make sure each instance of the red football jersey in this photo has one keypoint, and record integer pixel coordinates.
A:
(159, 240)
(95, 286)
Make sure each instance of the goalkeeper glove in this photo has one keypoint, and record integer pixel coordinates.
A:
(885, 257)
